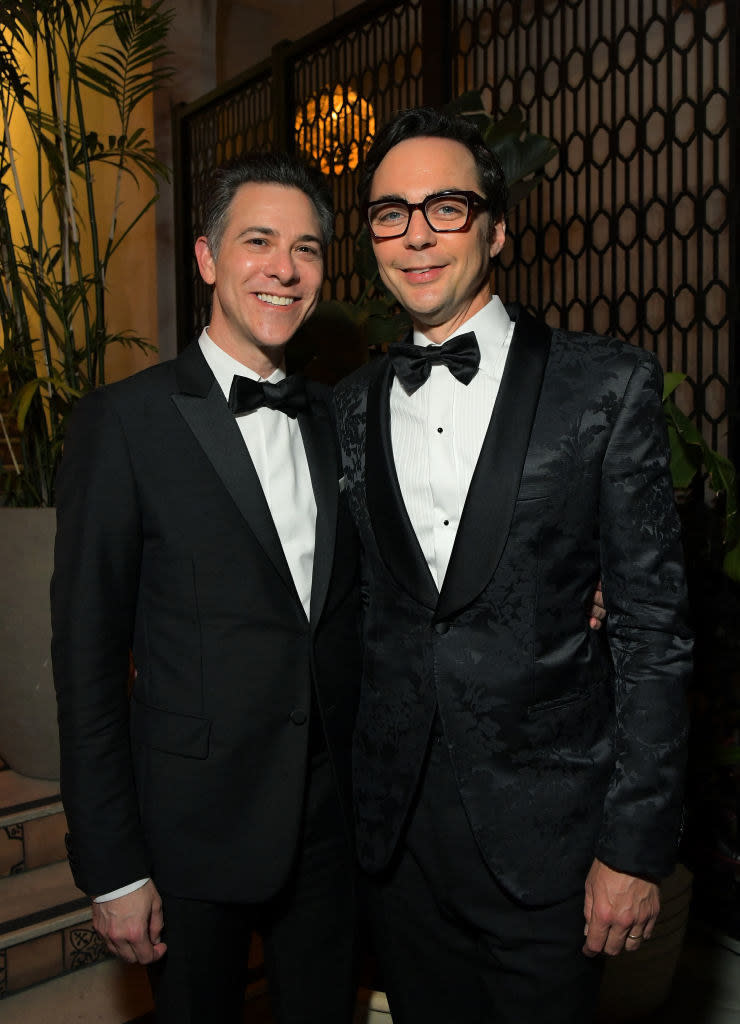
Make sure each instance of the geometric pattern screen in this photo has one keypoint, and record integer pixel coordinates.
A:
(630, 233)
(633, 231)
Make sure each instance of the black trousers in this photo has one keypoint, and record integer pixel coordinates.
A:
(453, 947)
(308, 931)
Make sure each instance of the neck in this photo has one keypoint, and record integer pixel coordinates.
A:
(262, 361)
(439, 332)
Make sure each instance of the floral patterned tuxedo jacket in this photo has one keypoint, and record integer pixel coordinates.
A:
(566, 743)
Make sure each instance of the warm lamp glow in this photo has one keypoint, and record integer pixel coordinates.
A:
(333, 128)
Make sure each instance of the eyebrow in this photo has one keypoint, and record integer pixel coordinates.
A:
(275, 234)
(390, 198)
(394, 197)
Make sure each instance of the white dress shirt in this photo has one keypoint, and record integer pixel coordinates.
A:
(437, 434)
(275, 446)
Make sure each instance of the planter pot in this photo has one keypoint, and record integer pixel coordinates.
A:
(29, 743)
(637, 984)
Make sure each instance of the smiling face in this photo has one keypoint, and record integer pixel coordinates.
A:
(441, 279)
(267, 274)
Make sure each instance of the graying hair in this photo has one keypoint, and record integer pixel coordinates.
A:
(267, 169)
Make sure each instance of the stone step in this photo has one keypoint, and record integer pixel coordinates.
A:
(32, 823)
(45, 928)
(46, 935)
(110, 992)
(116, 993)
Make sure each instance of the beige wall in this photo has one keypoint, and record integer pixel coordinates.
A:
(248, 29)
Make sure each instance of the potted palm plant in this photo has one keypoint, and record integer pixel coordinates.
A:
(58, 171)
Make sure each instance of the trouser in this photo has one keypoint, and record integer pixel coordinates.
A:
(308, 931)
(453, 947)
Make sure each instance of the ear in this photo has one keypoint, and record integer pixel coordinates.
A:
(498, 237)
(206, 261)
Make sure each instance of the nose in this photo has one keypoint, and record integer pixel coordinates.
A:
(418, 234)
(282, 266)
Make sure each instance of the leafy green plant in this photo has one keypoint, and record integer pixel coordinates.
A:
(55, 254)
(691, 460)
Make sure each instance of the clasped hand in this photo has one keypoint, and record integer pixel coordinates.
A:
(620, 911)
(131, 925)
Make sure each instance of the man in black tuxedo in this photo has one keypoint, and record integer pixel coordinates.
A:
(505, 755)
(201, 526)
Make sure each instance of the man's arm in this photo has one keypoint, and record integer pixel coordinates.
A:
(650, 642)
(94, 592)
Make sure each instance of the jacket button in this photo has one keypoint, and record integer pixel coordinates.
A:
(298, 717)
(441, 627)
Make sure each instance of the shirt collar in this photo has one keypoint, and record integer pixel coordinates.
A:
(492, 327)
(225, 367)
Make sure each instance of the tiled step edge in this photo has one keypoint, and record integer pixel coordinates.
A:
(34, 903)
(109, 991)
(32, 823)
(30, 810)
(34, 842)
(47, 949)
(42, 922)
(23, 798)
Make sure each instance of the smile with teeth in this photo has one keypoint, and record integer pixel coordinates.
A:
(420, 271)
(276, 300)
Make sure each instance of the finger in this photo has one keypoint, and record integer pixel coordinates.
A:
(156, 924)
(617, 940)
(144, 951)
(123, 950)
(596, 937)
(633, 942)
(594, 623)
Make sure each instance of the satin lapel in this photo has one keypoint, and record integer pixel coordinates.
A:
(204, 409)
(394, 533)
(323, 463)
(489, 507)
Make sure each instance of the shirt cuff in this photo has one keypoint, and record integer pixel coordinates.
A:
(123, 891)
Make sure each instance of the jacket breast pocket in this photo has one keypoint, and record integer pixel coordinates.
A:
(170, 732)
(565, 701)
(575, 724)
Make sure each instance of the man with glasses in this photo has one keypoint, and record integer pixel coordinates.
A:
(517, 776)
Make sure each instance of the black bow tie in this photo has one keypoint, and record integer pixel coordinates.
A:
(413, 363)
(287, 395)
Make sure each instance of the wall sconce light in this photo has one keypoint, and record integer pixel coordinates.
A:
(334, 127)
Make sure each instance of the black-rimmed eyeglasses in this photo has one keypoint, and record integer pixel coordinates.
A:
(444, 211)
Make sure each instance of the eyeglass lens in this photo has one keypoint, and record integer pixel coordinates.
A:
(442, 213)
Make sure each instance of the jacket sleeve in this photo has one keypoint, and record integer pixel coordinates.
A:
(93, 604)
(649, 636)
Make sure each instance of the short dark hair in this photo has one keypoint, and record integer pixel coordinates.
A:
(264, 169)
(425, 122)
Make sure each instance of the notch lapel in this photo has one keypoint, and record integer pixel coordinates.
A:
(489, 506)
(395, 536)
(202, 405)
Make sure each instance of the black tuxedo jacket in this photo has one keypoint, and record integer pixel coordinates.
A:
(166, 546)
(565, 744)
